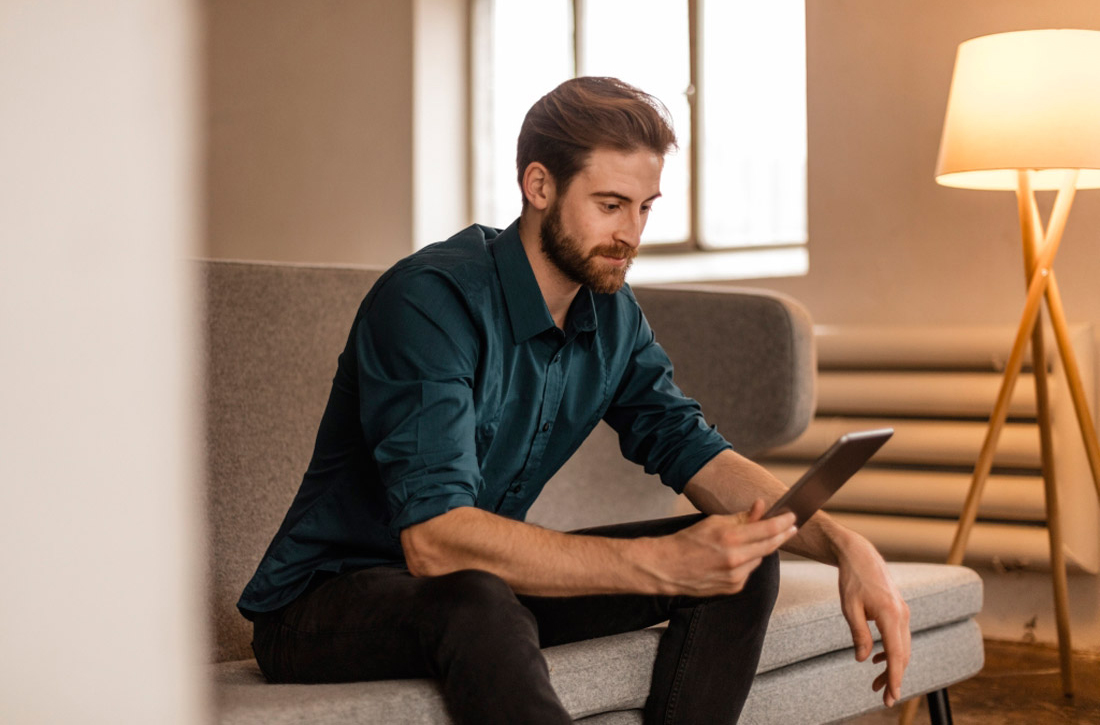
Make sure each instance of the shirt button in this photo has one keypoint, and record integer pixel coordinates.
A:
(557, 359)
(517, 488)
(545, 427)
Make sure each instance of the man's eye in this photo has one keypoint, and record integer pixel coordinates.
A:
(610, 207)
(645, 209)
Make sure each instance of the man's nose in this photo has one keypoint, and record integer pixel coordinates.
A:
(630, 229)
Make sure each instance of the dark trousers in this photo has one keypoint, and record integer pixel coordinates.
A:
(482, 641)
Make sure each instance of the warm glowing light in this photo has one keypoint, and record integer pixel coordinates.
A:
(1023, 100)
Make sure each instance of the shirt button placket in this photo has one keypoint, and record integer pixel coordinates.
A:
(552, 393)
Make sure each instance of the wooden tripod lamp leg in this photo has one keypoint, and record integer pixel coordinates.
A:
(998, 417)
(909, 711)
(1073, 371)
(1036, 289)
(1054, 519)
(1032, 231)
(1073, 378)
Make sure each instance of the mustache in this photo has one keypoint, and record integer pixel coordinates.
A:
(617, 251)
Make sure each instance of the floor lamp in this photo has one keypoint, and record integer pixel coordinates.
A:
(1023, 114)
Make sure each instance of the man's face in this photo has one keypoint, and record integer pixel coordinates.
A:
(592, 232)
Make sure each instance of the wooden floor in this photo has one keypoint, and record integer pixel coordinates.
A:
(1019, 685)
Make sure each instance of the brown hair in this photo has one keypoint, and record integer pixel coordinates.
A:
(583, 114)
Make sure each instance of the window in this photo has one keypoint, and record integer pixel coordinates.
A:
(735, 87)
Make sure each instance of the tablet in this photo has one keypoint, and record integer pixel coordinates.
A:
(829, 472)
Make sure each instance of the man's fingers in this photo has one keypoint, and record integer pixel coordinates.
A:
(889, 698)
(896, 642)
(895, 653)
(747, 531)
(756, 511)
(763, 547)
(861, 632)
(754, 514)
(897, 659)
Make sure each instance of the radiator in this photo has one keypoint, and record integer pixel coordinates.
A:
(936, 387)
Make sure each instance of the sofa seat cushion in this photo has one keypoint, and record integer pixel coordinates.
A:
(594, 676)
(612, 674)
(807, 620)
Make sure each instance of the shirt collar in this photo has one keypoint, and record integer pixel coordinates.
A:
(582, 314)
(527, 311)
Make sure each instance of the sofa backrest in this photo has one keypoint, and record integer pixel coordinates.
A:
(272, 336)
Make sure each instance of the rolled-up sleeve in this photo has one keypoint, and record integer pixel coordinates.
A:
(659, 427)
(417, 349)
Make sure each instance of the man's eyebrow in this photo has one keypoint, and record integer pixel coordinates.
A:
(621, 197)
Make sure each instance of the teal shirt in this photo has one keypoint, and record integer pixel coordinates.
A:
(456, 388)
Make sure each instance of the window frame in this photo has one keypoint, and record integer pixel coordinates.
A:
(693, 245)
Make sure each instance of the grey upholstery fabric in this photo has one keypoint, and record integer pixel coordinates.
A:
(824, 689)
(834, 686)
(807, 621)
(614, 489)
(749, 360)
(273, 333)
(808, 640)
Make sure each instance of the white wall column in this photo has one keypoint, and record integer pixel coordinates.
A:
(100, 616)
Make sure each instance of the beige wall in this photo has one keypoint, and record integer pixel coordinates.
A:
(310, 124)
(101, 604)
(887, 244)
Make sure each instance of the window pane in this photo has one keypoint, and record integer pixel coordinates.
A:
(512, 78)
(645, 43)
(753, 124)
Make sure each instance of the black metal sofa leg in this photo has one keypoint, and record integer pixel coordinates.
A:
(939, 709)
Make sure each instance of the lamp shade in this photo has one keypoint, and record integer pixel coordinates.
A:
(1023, 100)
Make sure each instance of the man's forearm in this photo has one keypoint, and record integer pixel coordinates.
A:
(712, 557)
(531, 559)
(729, 483)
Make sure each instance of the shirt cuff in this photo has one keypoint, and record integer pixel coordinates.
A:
(427, 505)
(695, 454)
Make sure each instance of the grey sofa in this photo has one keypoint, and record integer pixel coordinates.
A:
(272, 336)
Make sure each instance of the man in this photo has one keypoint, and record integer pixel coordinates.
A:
(473, 370)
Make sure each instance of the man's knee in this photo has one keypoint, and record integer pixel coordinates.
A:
(760, 589)
(472, 588)
(763, 584)
(477, 614)
(474, 598)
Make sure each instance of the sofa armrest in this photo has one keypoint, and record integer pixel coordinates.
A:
(746, 355)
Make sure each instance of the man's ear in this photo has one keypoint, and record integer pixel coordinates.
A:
(538, 186)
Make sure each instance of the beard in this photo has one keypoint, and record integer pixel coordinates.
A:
(569, 257)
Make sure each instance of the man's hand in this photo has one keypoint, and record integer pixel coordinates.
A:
(868, 593)
(717, 555)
